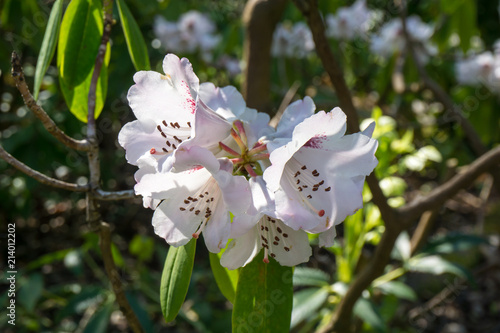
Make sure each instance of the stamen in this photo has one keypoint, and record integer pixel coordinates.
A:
(257, 157)
(228, 149)
(241, 131)
(257, 149)
(200, 229)
(152, 151)
(266, 259)
(238, 140)
(250, 171)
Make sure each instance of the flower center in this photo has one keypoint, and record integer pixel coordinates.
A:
(247, 159)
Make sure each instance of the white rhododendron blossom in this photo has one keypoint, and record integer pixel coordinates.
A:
(350, 22)
(292, 41)
(193, 32)
(211, 166)
(390, 39)
(483, 68)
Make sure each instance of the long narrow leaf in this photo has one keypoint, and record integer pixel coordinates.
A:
(48, 45)
(175, 278)
(264, 298)
(226, 280)
(79, 40)
(133, 36)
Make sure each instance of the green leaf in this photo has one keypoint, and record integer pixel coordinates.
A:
(366, 311)
(48, 45)
(402, 248)
(453, 243)
(135, 42)
(436, 265)
(398, 289)
(89, 296)
(31, 291)
(464, 21)
(304, 276)
(175, 278)
(306, 304)
(142, 247)
(264, 297)
(99, 321)
(226, 280)
(79, 40)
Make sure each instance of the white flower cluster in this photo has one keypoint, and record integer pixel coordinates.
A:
(391, 39)
(483, 68)
(210, 165)
(292, 41)
(350, 22)
(193, 32)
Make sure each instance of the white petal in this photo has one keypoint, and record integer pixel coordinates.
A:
(294, 114)
(216, 233)
(155, 97)
(289, 247)
(241, 251)
(227, 101)
(137, 138)
(192, 157)
(182, 75)
(326, 238)
(176, 234)
(209, 129)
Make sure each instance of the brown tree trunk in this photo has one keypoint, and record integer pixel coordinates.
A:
(260, 18)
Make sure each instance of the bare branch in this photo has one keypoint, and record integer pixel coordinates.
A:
(93, 154)
(439, 195)
(118, 195)
(114, 278)
(40, 177)
(309, 9)
(29, 101)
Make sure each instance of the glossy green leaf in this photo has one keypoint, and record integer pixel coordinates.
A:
(48, 45)
(135, 42)
(304, 276)
(226, 279)
(79, 40)
(436, 265)
(306, 304)
(175, 278)
(366, 311)
(398, 289)
(264, 298)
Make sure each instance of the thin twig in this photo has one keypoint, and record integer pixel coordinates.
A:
(40, 177)
(29, 101)
(309, 9)
(118, 195)
(93, 154)
(284, 104)
(115, 280)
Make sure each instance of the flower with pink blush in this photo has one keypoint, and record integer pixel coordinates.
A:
(287, 246)
(197, 200)
(317, 177)
(164, 106)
